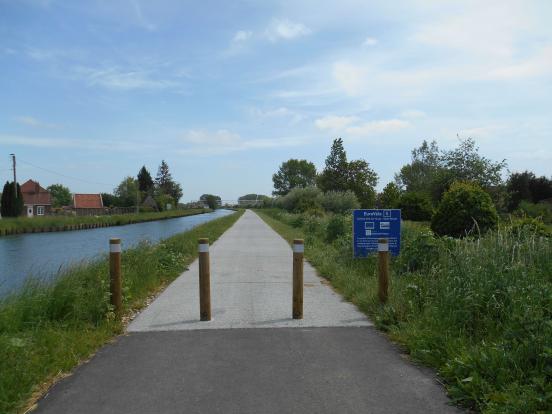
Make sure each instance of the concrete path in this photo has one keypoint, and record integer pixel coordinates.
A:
(333, 361)
(250, 288)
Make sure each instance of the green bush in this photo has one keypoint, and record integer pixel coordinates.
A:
(300, 200)
(415, 207)
(419, 249)
(339, 201)
(336, 228)
(535, 210)
(465, 207)
(529, 225)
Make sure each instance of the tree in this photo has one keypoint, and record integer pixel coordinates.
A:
(526, 186)
(12, 206)
(390, 196)
(415, 206)
(109, 200)
(145, 182)
(165, 184)
(540, 188)
(334, 175)
(292, 174)
(127, 192)
(465, 207)
(466, 164)
(256, 200)
(518, 188)
(420, 173)
(341, 175)
(212, 201)
(61, 195)
(361, 180)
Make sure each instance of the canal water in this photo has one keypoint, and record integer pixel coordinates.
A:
(44, 254)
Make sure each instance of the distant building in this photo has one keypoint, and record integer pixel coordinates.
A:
(88, 204)
(37, 200)
(150, 203)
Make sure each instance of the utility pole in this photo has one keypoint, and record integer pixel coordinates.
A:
(14, 176)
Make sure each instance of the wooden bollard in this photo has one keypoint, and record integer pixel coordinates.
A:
(383, 269)
(115, 276)
(298, 253)
(204, 281)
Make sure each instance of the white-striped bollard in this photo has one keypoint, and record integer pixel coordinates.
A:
(383, 269)
(298, 253)
(204, 281)
(115, 276)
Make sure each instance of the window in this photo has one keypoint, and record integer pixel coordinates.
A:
(39, 210)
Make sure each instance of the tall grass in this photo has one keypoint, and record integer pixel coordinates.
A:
(60, 223)
(479, 310)
(46, 328)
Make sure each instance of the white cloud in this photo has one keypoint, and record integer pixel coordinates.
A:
(378, 127)
(276, 113)
(242, 35)
(286, 30)
(31, 121)
(537, 65)
(413, 114)
(488, 29)
(351, 78)
(221, 137)
(370, 41)
(74, 143)
(333, 122)
(223, 141)
(126, 80)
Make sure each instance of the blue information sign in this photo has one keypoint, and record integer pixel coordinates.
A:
(371, 225)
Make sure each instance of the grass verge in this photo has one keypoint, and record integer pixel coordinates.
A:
(479, 311)
(64, 223)
(46, 329)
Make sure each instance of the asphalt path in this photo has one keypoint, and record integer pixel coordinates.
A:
(252, 358)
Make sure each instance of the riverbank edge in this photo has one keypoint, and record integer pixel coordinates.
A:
(92, 222)
(53, 342)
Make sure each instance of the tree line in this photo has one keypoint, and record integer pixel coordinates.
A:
(436, 185)
(162, 191)
(132, 191)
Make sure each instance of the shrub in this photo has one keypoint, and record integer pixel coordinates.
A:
(335, 228)
(464, 207)
(300, 200)
(530, 226)
(415, 207)
(419, 249)
(339, 201)
(535, 210)
(390, 196)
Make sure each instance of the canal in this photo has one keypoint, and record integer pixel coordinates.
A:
(43, 255)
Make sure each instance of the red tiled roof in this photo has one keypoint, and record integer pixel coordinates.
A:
(87, 201)
(34, 194)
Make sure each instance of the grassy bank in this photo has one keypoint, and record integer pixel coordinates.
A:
(46, 329)
(478, 311)
(65, 223)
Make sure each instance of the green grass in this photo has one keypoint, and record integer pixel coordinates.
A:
(46, 329)
(60, 223)
(477, 310)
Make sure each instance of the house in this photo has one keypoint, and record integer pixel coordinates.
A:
(37, 200)
(88, 204)
(149, 202)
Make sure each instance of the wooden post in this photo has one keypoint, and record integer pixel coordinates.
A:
(115, 276)
(204, 281)
(383, 269)
(298, 252)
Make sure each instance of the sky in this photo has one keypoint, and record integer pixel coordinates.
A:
(224, 92)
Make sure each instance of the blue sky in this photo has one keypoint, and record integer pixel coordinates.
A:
(226, 91)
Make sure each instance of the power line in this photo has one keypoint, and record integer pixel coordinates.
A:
(64, 175)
